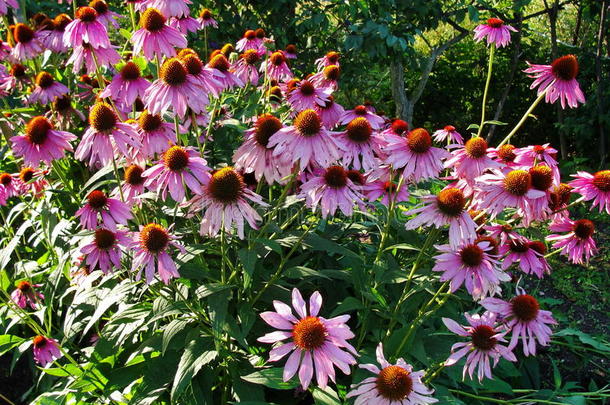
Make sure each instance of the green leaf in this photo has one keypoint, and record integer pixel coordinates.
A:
(584, 338)
(196, 355)
(402, 246)
(326, 396)
(7, 342)
(272, 378)
(171, 330)
(248, 261)
(349, 304)
(116, 295)
(492, 122)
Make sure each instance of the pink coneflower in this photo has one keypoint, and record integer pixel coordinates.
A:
(361, 111)
(393, 384)
(523, 316)
(382, 186)
(156, 134)
(170, 8)
(86, 29)
(505, 154)
(9, 187)
(179, 167)
(104, 249)
(155, 38)
(415, 155)
(446, 208)
(533, 154)
(5, 50)
(151, 245)
(594, 187)
(6, 4)
(41, 142)
(331, 188)
(106, 136)
(47, 88)
(85, 55)
(290, 52)
(63, 111)
(33, 180)
(206, 19)
(397, 128)
(210, 79)
(104, 15)
(249, 41)
(529, 255)
(228, 79)
(245, 67)
(110, 210)
(54, 40)
(577, 242)
(175, 89)
(331, 58)
(17, 79)
(513, 189)
(560, 79)
(559, 199)
(485, 338)
(25, 294)
(470, 263)
(495, 31)
(276, 67)
(45, 350)
(306, 95)
(503, 232)
(27, 43)
(330, 113)
(359, 145)
(88, 85)
(314, 340)
(184, 24)
(133, 184)
(471, 159)
(327, 78)
(224, 200)
(255, 156)
(448, 134)
(305, 142)
(127, 85)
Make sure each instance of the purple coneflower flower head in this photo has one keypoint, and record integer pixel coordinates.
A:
(331, 58)
(415, 155)
(306, 142)
(529, 255)
(245, 67)
(505, 233)
(86, 29)
(224, 200)
(184, 24)
(306, 95)
(327, 78)
(255, 155)
(276, 67)
(104, 15)
(170, 8)
(524, 318)
(106, 136)
(533, 154)
(178, 167)
(501, 190)
(495, 31)
(249, 41)
(559, 199)
(560, 79)
(156, 134)
(127, 85)
(315, 342)
(41, 142)
(362, 111)
(152, 244)
(5, 50)
(206, 19)
(16, 79)
(47, 88)
(104, 211)
(397, 128)
(54, 40)
(505, 155)
(211, 80)
(577, 242)
(290, 52)
(27, 43)
(133, 184)
(26, 295)
(392, 384)
(6, 4)
(485, 344)
(175, 89)
(472, 264)
(446, 208)
(379, 183)
(331, 189)
(360, 145)
(471, 160)
(155, 38)
(594, 187)
(448, 134)
(63, 111)
(45, 350)
(104, 249)
(85, 55)
(33, 180)
(9, 187)
(330, 113)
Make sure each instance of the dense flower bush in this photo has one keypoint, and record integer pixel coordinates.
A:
(212, 226)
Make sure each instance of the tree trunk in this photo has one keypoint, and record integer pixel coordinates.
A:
(404, 110)
(600, 91)
(563, 144)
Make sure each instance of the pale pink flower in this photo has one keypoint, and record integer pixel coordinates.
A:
(379, 183)
(28, 43)
(45, 350)
(471, 159)
(206, 19)
(86, 29)
(104, 211)
(560, 79)
(529, 255)
(495, 31)
(448, 134)
(127, 85)
(26, 295)
(276, 67)
(104, 249)
(360, 145)
(577, 242)
(594, 187)
(375, 120)
(83, 55)
(331, 58)
(155, 38)
(41, 142)
(46, 89)
(151, 245)
(513, 189)
(330, 113)
(306, 95)
(250, 41)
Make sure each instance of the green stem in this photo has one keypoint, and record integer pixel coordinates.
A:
(487, 81)
(525, 116)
